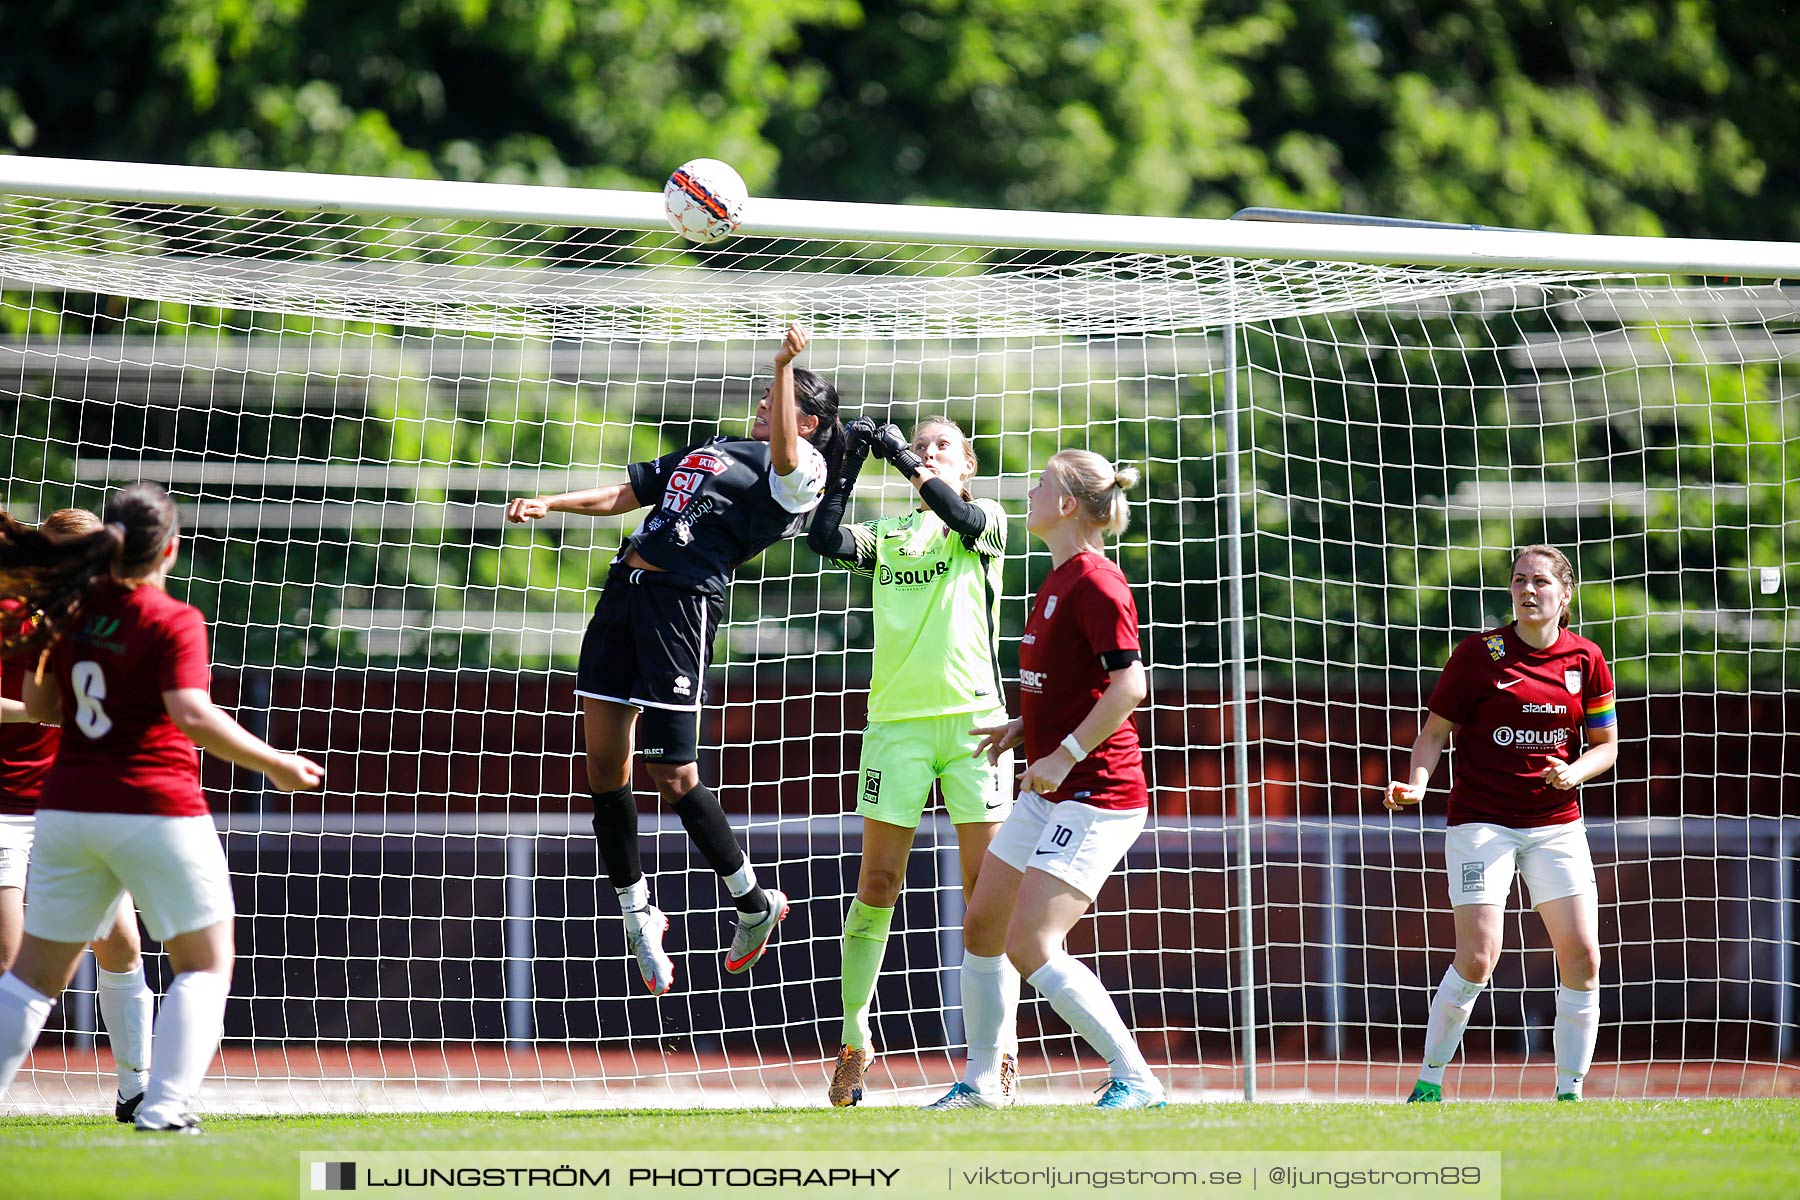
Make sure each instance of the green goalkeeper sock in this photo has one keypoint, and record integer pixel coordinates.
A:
(865, 941)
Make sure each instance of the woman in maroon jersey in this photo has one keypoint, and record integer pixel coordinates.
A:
(1518, 698)
(26, 752)
(123, 666)
(1082, 800)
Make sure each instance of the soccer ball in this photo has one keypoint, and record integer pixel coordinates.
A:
(704, 200)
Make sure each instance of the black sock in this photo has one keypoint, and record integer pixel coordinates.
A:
(616, 832)
(711, 834)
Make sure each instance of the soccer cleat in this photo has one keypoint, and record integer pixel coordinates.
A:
(961, 1095)
(1122, 1093)
(1571, 1096)
(753, 934)
(644, 936)
(847, 1077)
(125, 1111)
(1426, 1093)
(1009, 1080)
(184, 1124)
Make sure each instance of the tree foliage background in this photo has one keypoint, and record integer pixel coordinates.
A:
(1679, 117)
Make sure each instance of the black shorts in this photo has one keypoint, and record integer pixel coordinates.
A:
(648, 645)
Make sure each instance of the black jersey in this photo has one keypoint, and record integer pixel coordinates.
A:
(719, 503)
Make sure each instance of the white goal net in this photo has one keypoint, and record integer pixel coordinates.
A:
(342, 404)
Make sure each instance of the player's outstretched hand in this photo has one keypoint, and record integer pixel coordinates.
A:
(890, 446)
(1399, 795)
(521, 510)
(792, 345)
(997, 739)
(887, 441)
(293, 773)
(859, 435)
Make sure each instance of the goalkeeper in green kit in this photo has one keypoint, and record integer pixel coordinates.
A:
(936, 573)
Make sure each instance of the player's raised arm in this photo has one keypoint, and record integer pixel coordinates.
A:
(784, 410)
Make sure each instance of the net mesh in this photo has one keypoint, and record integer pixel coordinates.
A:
(342, 405)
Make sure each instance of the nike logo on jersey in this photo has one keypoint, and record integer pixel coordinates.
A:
(1509, 683)
(995, 804)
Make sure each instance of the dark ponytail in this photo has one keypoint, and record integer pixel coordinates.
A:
(816, 397)
(51, 575)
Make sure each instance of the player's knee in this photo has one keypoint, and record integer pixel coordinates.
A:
(606, 775)
(879, 886)
(117, 952)
(1027, 951)
(1579, 966)
(673, 780)
(1476, 963)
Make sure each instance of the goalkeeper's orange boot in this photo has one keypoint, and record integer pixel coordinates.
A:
(847, 1076)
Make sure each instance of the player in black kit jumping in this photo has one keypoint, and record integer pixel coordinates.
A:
(644, 658)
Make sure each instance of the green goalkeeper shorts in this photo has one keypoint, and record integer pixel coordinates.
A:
(901, 759)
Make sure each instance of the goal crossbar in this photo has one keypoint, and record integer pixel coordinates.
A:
(814, 219)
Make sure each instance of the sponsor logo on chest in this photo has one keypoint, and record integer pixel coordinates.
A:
(911, 576)
(1531, 739)
(690, 477)
(1032, 681)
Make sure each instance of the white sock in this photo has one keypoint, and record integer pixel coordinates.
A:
(187, 1036)
(742, 881)
(1450, 1010)
(127, 1006)
(1577, 1029)
(23, 1011)
(1079, 998)
(635, 897)
(1010, 984)
(990, 997)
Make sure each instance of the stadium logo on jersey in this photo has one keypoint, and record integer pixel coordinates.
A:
(1032, 681)
(1558, 710)
(1049, 606)
(1572, 681)
(1496, 646)
(1531, 739)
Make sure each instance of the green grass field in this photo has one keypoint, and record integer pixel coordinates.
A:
(1637, 1149)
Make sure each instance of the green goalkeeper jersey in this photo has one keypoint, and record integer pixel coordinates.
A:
(937, 613)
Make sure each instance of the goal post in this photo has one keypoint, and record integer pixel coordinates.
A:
(1343, 432)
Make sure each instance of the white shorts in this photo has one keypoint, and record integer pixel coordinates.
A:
(85, 863)
(1074, 842)
(16, 831)
(1481, 859)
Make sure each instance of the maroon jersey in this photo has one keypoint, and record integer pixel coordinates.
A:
(25, 749)
(1083, 613)
(1520, 709)
(120, 752)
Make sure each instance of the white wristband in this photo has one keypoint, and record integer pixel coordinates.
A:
(1074, 748)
